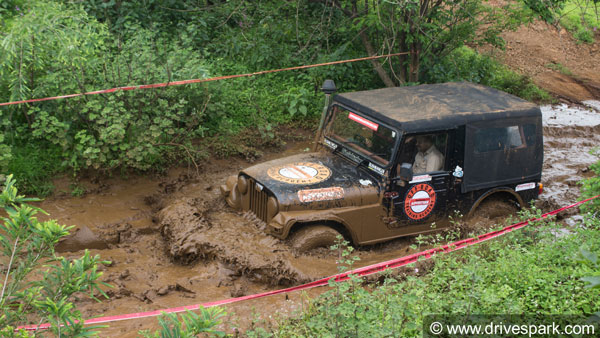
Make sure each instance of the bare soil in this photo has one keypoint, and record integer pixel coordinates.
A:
(555, 61)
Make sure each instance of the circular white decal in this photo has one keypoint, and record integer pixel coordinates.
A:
(300, 173)
(420, 201)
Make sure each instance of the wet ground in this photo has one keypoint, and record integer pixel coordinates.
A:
(570, 134)
(172, 241)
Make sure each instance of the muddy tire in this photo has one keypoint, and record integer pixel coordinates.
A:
(313, 237)
(496, 207)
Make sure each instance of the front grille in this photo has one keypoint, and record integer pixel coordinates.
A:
(258, 200)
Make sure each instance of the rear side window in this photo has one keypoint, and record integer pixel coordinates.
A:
(504, 138)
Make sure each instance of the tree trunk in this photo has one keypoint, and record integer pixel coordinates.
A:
(413, 75)
(383, 75)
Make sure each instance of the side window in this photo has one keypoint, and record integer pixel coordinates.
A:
(426, 152)
(503, 138)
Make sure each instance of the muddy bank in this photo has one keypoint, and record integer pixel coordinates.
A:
(202, 231)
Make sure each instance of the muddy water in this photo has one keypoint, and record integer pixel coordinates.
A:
(570, 133)
(172, 241)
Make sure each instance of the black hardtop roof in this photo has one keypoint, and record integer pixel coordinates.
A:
(437, 106)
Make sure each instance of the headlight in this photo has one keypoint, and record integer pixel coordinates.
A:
(272, 207)
(242, 184)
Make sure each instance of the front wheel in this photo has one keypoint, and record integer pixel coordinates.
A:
(312, 237)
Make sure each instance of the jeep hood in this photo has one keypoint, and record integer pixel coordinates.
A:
(316, 181)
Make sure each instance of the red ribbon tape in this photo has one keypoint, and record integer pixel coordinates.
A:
(183, 82)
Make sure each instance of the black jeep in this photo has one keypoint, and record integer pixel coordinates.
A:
(389, 162)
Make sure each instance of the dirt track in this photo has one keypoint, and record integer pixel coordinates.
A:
(173, 241)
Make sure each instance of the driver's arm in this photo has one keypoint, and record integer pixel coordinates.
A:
(434, 163)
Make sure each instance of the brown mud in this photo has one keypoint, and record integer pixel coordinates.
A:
(172, 241)
(570, 134)
(554, 59)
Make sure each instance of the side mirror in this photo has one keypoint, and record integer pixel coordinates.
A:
(406, 172)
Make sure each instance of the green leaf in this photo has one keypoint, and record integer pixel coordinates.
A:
(593, 280)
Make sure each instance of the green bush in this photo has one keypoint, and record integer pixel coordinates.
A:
(35, 163)
(188, 325)
(465, 64)
(56, 47)
(36, 284)
(582, 19)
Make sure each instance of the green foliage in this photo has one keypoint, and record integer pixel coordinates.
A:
(590, 187)
(137, 129)
(5, 153)
(582, 19)
(464, 64)
(427, 30)
(560, 68)
(38, 285)
(35, 163)
(46, 37)
(591, 259)
(484, 279)
(190, 324)
(547, 10)
(57, 47)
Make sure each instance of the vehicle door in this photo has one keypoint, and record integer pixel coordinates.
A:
(424, 198)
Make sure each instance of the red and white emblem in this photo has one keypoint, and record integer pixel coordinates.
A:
(419, 201)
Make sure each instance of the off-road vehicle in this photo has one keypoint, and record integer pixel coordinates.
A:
(389, 162)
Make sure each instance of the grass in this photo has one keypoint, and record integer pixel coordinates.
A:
(33, 166)
(559, 67)
(582, 19)
(536, 270)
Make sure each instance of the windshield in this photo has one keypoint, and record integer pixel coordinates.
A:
(362, 135)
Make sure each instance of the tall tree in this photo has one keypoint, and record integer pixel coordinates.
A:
(426, 29)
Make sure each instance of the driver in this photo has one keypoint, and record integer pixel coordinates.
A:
(428, 158)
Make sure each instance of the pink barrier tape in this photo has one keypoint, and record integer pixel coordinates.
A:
(183, 82)
(360, 272)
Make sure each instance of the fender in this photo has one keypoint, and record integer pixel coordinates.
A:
(281, 225)
(490, 192)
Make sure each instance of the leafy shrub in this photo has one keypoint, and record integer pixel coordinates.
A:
(189, 325)
(582, 19)
(34, 164)
(464, 64)
(36, 284)
(134, 129)
(52, 48)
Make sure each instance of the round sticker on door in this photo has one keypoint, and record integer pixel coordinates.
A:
(300, 173)
(419, 201)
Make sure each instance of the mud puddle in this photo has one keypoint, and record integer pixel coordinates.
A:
(172, 240)
(570, 133)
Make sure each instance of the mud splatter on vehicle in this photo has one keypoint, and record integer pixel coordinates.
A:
(394, 160)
